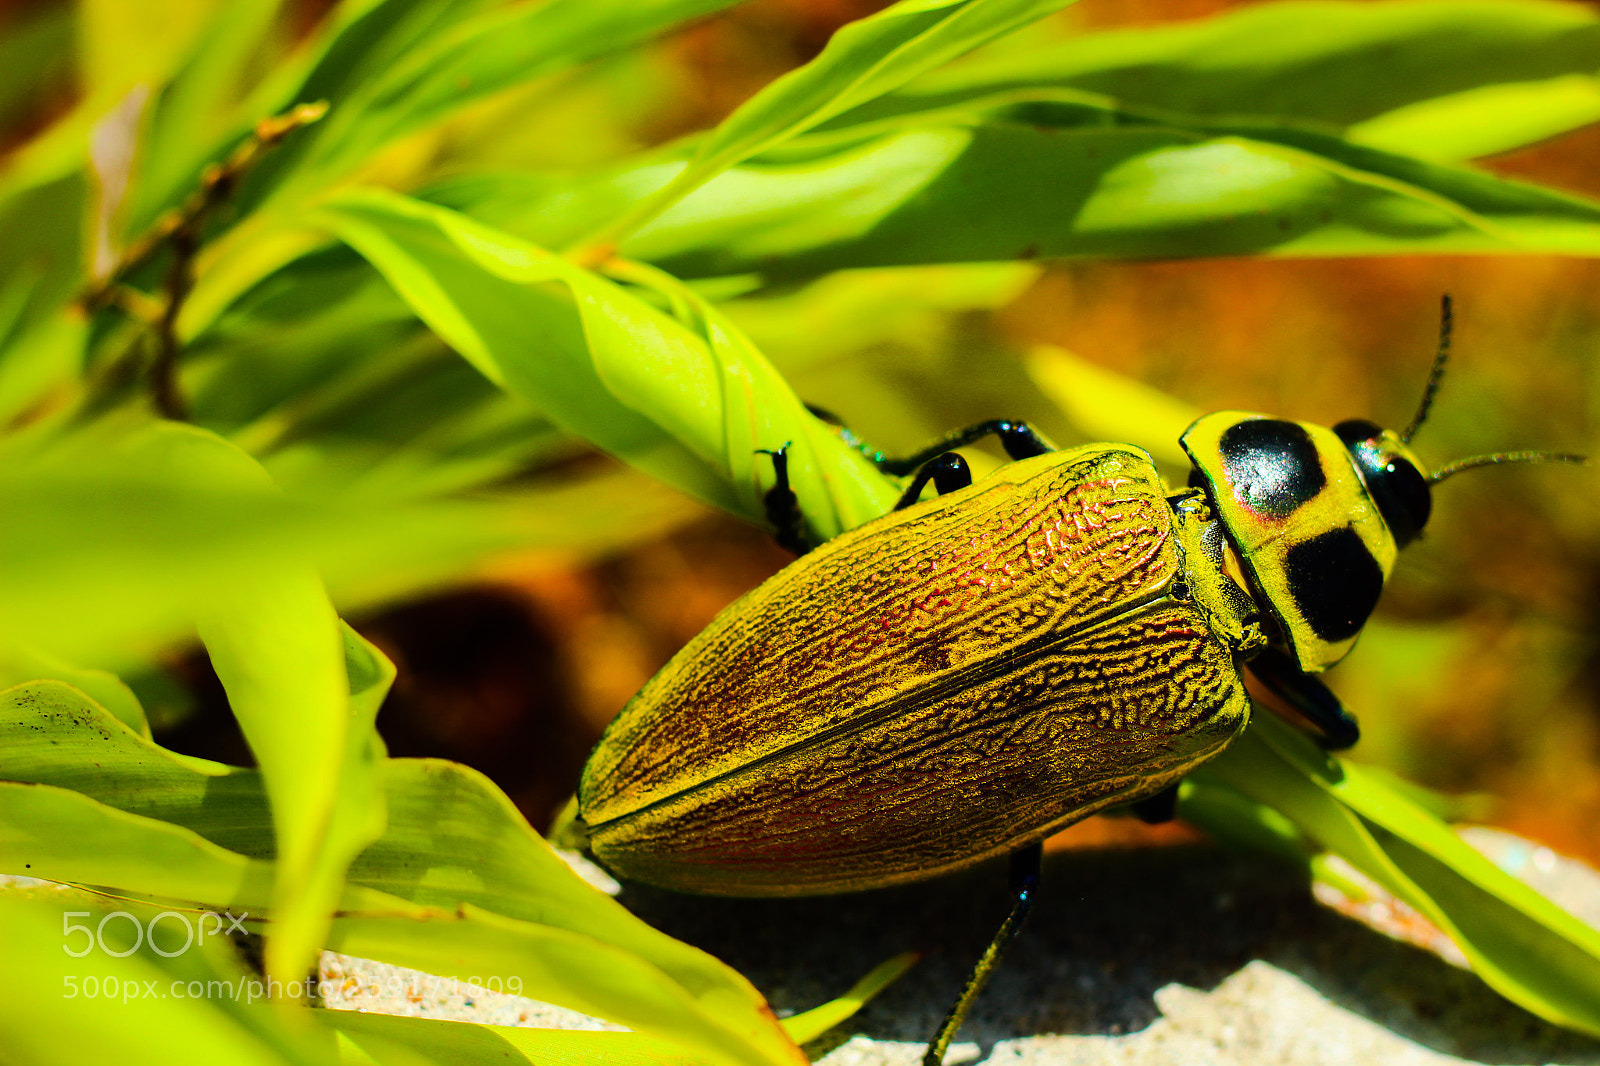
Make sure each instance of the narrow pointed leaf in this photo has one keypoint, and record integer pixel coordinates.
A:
(862, 61)
(1521, 944)
(1319, 65)
(1024, 192)
(687, 402)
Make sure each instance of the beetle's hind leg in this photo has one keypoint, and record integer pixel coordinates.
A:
(1159, 808)
(1019, 439)
(1024, 884)
(1309, 696)
(782, 505)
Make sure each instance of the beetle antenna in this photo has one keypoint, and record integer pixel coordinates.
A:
(1446, 322)
(1496, 458)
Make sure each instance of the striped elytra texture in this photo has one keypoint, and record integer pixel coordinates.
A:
(944, 684)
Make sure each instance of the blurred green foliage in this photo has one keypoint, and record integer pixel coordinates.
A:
(307, 310)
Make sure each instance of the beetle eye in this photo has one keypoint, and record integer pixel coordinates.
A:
(1398, 488)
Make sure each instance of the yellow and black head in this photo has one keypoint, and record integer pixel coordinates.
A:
(1317, 515)
(1313, 537)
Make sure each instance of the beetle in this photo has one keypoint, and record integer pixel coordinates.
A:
(968, 674)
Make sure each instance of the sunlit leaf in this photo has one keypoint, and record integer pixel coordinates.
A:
(689, 403)
(862, 61)
(1108, 406)
(1483, 121)
(1321, 65)
(386, 1038)
(818, 1020)
(1022, 191)
(277, 647)
(1521, 944)
(458, 884)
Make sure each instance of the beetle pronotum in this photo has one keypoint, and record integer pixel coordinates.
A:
(968, 674)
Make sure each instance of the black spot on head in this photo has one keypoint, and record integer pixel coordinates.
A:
(1335, 582)
(1397, 487)
(1272, 466)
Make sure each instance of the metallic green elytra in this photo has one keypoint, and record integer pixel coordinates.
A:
(968, 674)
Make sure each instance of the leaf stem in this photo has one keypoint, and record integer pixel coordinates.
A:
(180, 231)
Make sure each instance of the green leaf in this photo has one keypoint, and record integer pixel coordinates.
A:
(20, 663)
(200, 112)
(278, 648)
(119, 538)
(457, 885)
(387, 1038)
(275, 642)
(62, 835)
(1321, 64)
(862, 61)
(120, 46)
(387, 69)
(42, 263)
(1521, 944)
(1104, 405)
(500, 48)
(685, 398)
(472, 941)
(806, 1027)
(1022, 191)
(360, 43)
(196, 1007)
(46, 354)
(1483, 121)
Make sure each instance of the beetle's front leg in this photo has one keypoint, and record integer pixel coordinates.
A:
(1309, 696)
(948, 473)
(1019, 439)
(1024, 881)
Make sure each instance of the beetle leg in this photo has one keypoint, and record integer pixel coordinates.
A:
(1309, 696)
(782, 506)
(948, 472)
(1024, 879)
(1161, 807)
(1018, 439)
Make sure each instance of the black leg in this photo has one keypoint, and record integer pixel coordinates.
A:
(1017, 438)
(1162, 807)
(948, 472)
(1024, 882)
(1309, 697)
(782, 506)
